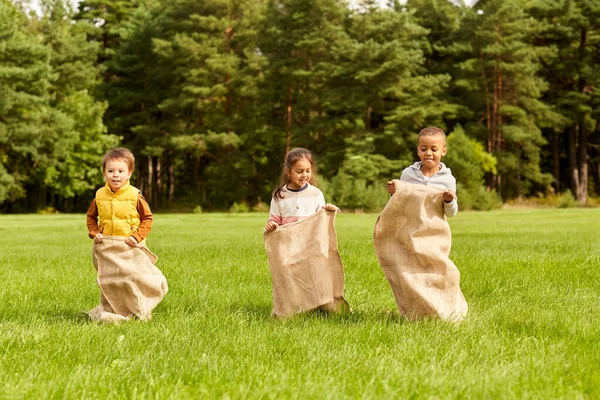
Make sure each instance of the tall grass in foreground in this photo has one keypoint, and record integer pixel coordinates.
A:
(531, 278)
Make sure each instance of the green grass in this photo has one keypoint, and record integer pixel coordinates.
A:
(531, 278)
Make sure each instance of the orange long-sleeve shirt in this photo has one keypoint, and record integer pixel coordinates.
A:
(146, 219)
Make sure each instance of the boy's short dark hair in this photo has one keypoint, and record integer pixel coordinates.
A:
(120, 153)
(432, 131)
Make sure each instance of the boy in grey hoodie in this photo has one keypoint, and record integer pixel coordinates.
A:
(430, 170)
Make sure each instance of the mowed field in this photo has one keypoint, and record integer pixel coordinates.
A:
(531, 278)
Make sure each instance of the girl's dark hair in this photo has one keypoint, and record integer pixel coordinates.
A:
(291, 158)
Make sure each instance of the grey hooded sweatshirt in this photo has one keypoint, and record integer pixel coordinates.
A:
(443, 179)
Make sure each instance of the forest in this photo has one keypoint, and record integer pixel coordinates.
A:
(210, 95)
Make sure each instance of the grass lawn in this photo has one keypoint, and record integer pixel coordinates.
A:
(531, 278)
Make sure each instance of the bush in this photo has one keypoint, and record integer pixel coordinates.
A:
(485, 200)
(465, 198)
(260, 206)
(48, 210)
(479, 199)
(355, 194)
(239, 208)
(566, 200)
(198, 209)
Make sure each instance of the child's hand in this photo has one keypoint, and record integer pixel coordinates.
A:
(270, 226)
(391, 188)
(131, 241)
(98, 238)
(331, 207)
(449, 196)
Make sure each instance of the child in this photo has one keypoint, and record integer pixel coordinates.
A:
(430, 170)
(119, 219)
(296, 198)
(412, 238)
(306, 268)
(132, 219)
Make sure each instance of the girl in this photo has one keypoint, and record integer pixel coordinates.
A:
(296, 198)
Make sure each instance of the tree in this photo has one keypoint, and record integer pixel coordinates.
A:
(187, 99)
(24, 80)
(499, 83)
(73, 135)
(572, 30)
(385, 93)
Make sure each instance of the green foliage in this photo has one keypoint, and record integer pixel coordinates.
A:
(55, 125)
(25, 76)
(477, 198)
(566, 200)
(239, 208)
(356, 194)
(210, 94)
(76, 135)
(468, 159)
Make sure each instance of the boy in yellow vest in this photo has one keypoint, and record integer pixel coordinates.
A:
(119, 219)
(119, 209)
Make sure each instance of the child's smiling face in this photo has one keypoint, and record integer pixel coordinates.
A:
(116, 174)
(299, 174)
(431, 149)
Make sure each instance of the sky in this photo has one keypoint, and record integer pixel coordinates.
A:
(382, 3)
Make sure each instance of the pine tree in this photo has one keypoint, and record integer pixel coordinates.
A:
(187, 96)
(72, 130)
(24, 81)
(572, 29)
(500, 85)
(383, 89)
(298, 38)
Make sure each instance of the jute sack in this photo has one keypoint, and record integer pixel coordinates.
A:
(306, 268)
(412, 241)
(130, 284)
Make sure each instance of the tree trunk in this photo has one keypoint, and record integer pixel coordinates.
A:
(556, 160)
(155, 181)
(171, 170)
(575, 173)
(582, 163)
(288, 138)
(595, 172)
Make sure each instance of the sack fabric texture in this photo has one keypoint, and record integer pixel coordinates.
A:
(130, 283)
(306, 268)
(412, 241)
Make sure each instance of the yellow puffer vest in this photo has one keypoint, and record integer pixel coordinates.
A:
(117, 212)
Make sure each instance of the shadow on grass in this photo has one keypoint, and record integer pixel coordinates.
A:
(260, 312)
(263, 312)
(78, 317)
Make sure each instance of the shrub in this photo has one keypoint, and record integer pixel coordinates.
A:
(566, 200)
(478, 199)
(239, 208)
(485, 200)
(355, 194)
(48, 210)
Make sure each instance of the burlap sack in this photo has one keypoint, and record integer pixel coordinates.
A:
(130, 284)
(306, 268)
(412, 241)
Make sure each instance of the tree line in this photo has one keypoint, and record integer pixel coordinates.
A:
(210, 94)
